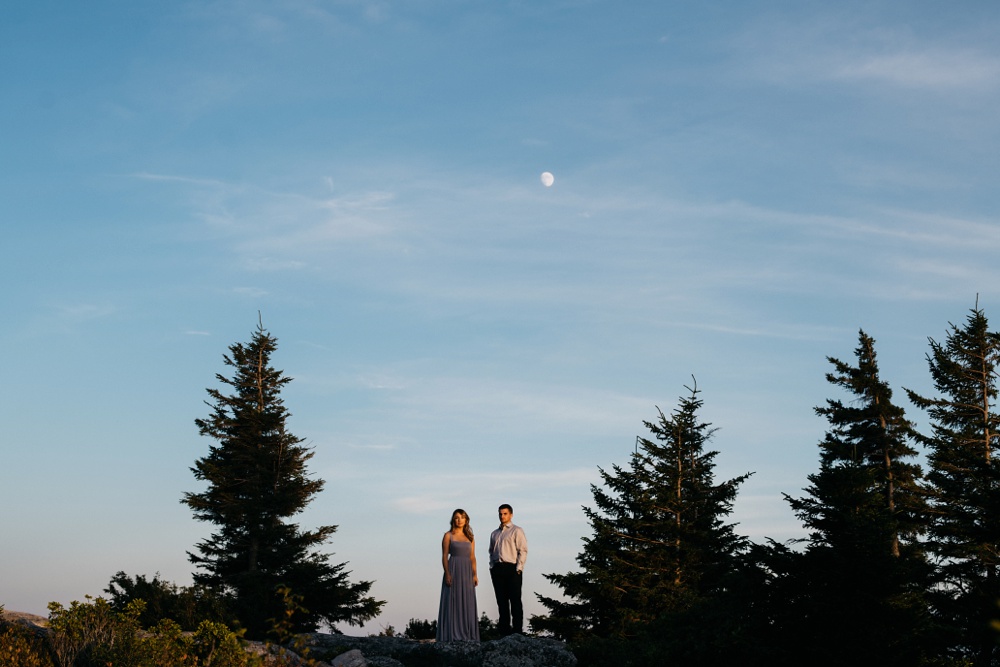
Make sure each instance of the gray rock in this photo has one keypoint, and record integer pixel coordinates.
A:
(382, 661)
(36, 625)
(27, 620)
(512, 651)
(352, 658)
(521, 651)
(276, 656)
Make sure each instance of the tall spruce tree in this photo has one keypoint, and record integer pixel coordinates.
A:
(257, 481)
(659, 544)
(964, 478)
(854, 595)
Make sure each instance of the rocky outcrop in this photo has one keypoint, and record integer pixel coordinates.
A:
(345, 651)
(353, 658)
(512, 651)
(26, 620)
(36, 625)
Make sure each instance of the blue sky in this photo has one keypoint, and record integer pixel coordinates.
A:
(739, 187)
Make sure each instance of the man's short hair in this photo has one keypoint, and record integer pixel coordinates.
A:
(507, 507)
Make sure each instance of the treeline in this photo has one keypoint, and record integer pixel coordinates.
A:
(899, 566)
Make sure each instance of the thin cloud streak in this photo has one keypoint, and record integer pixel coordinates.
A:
(847, 50)
(931, 69)
(459, 485)
(86, 311)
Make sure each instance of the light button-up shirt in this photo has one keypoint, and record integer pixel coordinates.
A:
(509, 545)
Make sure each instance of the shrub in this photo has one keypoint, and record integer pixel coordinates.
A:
(417, 629)
(211, 645)
(166, 645)
(92, 634)
(487, 628)
(95, 634)
(187, 605)
(19, 647)
(282, 629)
(215, 645)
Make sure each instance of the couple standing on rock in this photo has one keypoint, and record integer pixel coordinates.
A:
(458, 617)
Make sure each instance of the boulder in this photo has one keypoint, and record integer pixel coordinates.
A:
(36, 625)
(352, 658)
(21, 618)
(382, 661)
(275, 656)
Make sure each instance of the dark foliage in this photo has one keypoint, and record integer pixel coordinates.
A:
(488, 629)
(21, 647)
(425, 629)
(187, 606)
(858, 587)
(420, 629)
(964, 479)
(659, 546)
(257, 481)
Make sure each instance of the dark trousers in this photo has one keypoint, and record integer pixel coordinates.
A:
(507, 588)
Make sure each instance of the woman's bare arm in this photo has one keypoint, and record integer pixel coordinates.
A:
(444, 558)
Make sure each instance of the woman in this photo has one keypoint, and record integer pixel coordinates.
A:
(458, 619)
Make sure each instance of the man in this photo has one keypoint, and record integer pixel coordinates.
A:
(508, 553)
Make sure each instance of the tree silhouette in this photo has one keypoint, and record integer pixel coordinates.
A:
(964, 478)
(855, 594)
(257, 481)
(659, 541)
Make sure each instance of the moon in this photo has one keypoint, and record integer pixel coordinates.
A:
(548, 179)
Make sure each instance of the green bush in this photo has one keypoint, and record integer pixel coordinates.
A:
(187, 605)
(215, 645)
(96, 634)
(92, 634)
(211, 645)
(19, 647)
(166, 645)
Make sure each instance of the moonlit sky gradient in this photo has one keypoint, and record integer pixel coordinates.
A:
(740, 187)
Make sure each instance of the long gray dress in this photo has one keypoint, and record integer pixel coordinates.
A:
(458, 619)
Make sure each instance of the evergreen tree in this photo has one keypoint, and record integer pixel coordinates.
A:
(598, 602)
(855, 593)
(873, 435)
(257, 481)
(964, 477)
(659, 541)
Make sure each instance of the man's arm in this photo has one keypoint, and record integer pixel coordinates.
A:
(494, 538)
(521, 544)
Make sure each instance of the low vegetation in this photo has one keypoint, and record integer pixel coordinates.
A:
(96, 634)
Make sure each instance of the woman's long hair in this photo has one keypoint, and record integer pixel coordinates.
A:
(467, 528)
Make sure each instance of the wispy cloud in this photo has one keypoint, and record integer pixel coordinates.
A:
(376, 448)
(810, 333)
(528, 253)
(927, 229)
(454, 486)
(274, 230)
(931, 69)
(253, 292)
(86, 311)
(527, 404)
(840, 49)
(189, 180)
